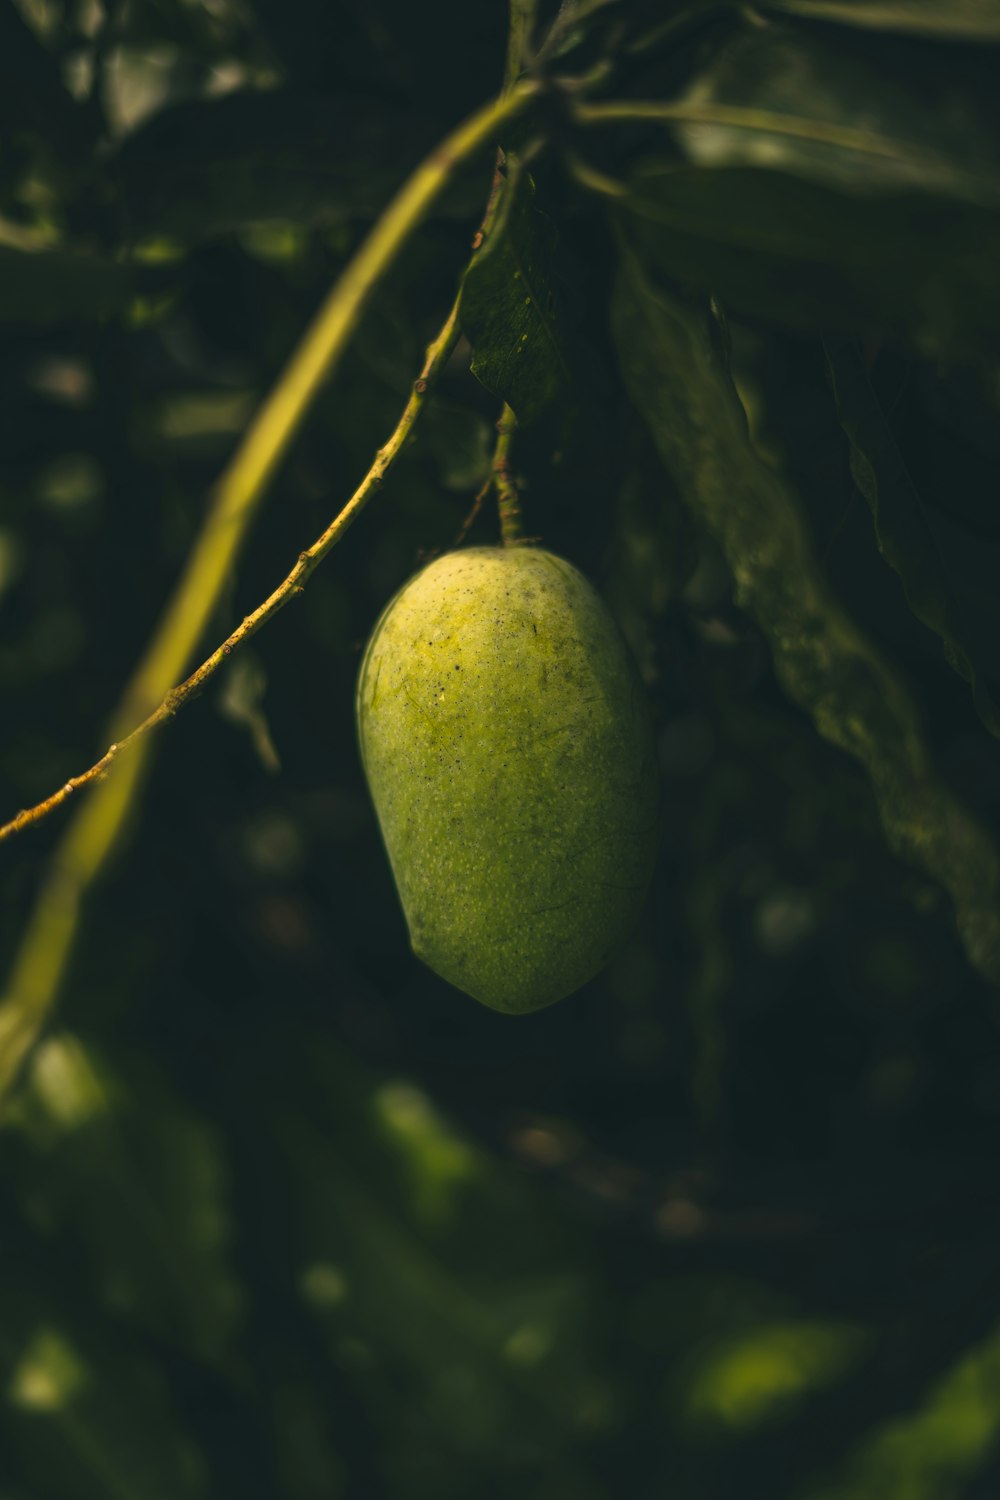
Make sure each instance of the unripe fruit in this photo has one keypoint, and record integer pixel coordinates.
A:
(508, 748)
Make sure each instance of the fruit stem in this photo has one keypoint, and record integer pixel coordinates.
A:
(508, 500)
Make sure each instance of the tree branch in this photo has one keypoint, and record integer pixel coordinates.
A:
(46, 944)
(290, 588)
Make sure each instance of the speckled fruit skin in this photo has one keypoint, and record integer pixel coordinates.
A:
(507, 743)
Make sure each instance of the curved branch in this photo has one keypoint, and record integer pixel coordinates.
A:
(290, 588)
(46, 944)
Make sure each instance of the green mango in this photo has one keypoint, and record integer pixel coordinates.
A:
(508, 748)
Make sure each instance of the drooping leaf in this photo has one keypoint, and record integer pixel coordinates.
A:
(806, 256)
(830, 187)
(824, 661)
(966, 20)
(864, 121)
(511, 309)
(905, 528)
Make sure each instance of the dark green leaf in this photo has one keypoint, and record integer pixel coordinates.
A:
(861, 120)
(807, 256)
(971, 20)
(32, 94)
(838, 187)
(826, 664)
(86, 1414)
(945, 421)
(143, 1189)
(392, 1273)
(654, 549)
(511, 311)
(459, 442)
(937, 593)
(52, 286)
(210, 166)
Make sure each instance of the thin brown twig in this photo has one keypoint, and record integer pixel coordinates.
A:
(436, 357)
(470, 519)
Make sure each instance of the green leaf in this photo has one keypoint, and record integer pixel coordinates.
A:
(946, 423)
(141, 1182)
(653, 551)
(967, 20)
(393, 1278)
(53, 286)
(864, 121)
(459, 442)
(906, 534)
(210, 166)
(826, 664)
(85, 1415)
(829, 186)
(511, 311)
(806, 256)
(32, 93)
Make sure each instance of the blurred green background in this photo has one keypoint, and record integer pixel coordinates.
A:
(282, 1214)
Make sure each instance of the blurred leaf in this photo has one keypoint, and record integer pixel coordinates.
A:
(937, 594)
(945, 422)
(53, 286)
(878, 205)
(803, 255)
(864, 122)
(204, 168)
(511, 310)
(204, 422)
(140, 1185)
(460, 443)
(675, 376)
(400, 1281)
(32, 94)
(654, 549)
(82, 1415)
(754, 1375)
(928, 1453)
(967, 20)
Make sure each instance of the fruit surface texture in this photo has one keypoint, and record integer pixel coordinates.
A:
(508, 748)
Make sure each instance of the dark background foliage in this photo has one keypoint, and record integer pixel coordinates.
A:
(283, 1214)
